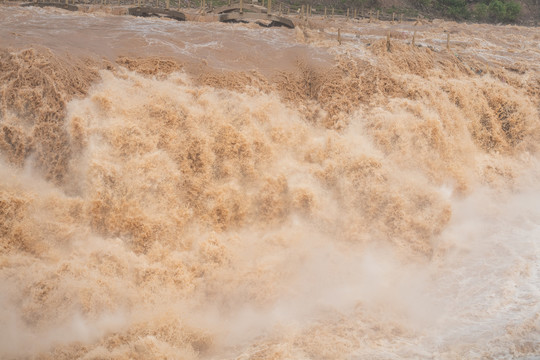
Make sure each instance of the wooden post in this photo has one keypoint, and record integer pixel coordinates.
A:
(168, 2)
(400, 18)
(332, 12)
(325, 12)
(413, 37)
(339, 36)
(377, 15)
(355, 13)
(370, 16)
(269, 7)
(448, 41)
(393, 17)
(241, 6)
(347, 13)
(302, 11)
(280, 9)
(388, 41)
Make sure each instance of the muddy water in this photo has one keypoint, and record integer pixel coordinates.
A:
(213, 191)
(224, 47)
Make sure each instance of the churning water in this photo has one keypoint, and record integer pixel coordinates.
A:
(215, 191)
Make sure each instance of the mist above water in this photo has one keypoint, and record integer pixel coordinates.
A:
(364, 204)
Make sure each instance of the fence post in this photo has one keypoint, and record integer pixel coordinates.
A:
(448, 41)
(339, 36)
(413, 37)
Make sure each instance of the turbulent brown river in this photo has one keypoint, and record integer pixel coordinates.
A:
(200, 190)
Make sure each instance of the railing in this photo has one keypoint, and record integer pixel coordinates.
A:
(303, 11)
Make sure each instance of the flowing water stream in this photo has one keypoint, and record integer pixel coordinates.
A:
(189, 190)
